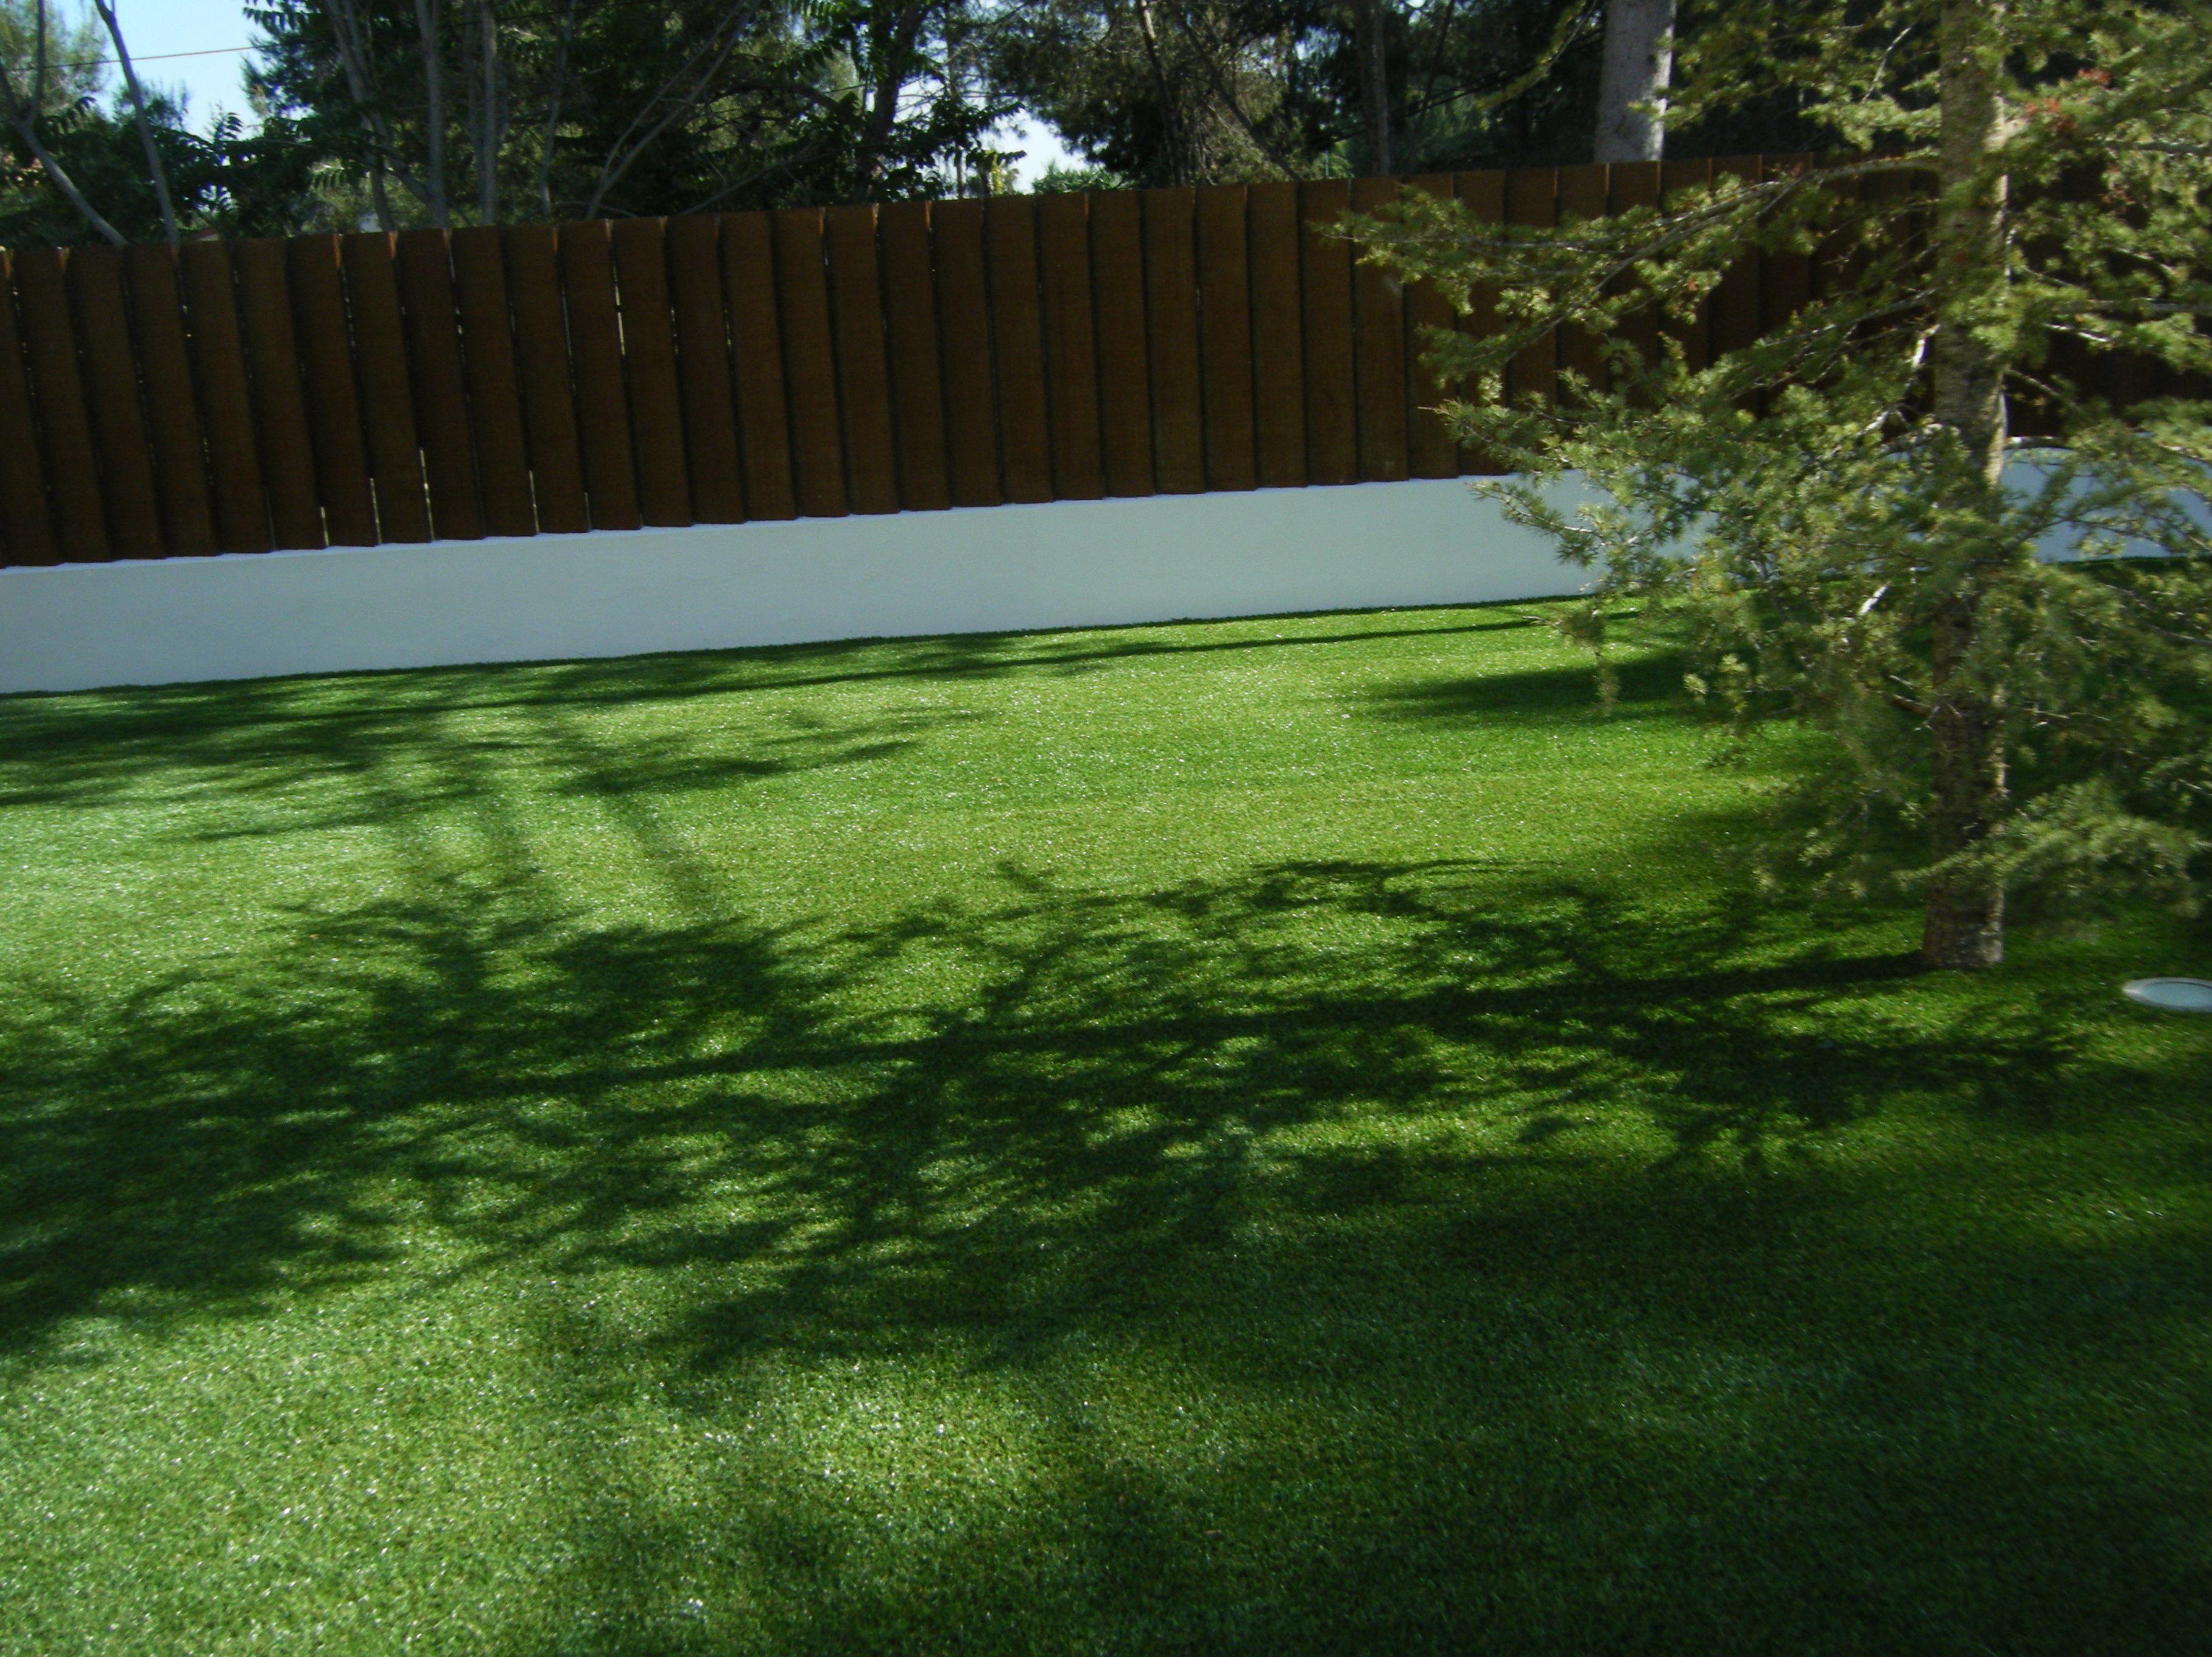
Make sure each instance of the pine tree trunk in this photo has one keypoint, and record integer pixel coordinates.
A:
(1639, 65)
(1964, 925)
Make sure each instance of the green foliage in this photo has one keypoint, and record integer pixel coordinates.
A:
(226, 179)
(1191, 91)
(1058, 180)
(2003, 359)
(603, 108)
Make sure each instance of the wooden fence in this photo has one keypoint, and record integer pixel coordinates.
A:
(344, 390)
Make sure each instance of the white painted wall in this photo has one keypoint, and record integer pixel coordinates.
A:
(1068, 564)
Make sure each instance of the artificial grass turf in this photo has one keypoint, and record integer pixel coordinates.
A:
(1281, 1136)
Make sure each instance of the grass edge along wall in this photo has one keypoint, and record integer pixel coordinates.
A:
(373, 389)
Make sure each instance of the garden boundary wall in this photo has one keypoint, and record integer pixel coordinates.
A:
(1064, 563)
(525, 380)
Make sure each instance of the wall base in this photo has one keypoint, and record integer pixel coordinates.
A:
(1068, 564)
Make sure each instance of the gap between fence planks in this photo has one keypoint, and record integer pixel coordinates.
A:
(349, 390)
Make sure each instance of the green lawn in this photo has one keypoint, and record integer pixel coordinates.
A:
(1274, 1137)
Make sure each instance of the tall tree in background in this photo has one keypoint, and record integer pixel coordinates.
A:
(1165, 91)
(1186, 91)
(1631, 97)
(448, 109)
(1844, 516)
(1371, 37)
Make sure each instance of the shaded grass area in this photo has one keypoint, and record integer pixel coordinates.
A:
(1281, 1136)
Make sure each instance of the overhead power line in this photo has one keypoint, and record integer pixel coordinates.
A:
(154, 57)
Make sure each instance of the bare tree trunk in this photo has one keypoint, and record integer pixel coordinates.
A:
(360, 85)
(487, 106)
(156, 173)
(553, 109)
(433, 114)
(380, 198)
(1632, 91)
(1964, 925)
(894, 42)
(1372, 39)
(1183, 149)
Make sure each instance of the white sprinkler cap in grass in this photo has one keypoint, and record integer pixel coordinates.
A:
(2173, 995)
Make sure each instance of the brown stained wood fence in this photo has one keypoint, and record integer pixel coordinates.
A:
(349, 390)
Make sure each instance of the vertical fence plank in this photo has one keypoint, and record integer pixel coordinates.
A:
(648, 345)
(549, 394)
(1430, 451)
(280, 403)
(441, 396)
(756, 354)
(1633, 185)
(810, 363)
(864, 387)
(1835, 257)
(387, 400)
(1379, 352)
(1171, 306)
(23, 510)
(1278, 381)
(1125, 381)
(1736, 305)
(495, 399)
(917, 386)
(1070, 345)
(1482, 194)
(1785, 279)
(79, 506)
(1225, 304)
(1017, 342)
(1532, 201)
(918, 354)
(587, 278)
(702, 360)
(333, 401)
(1582, 195)
(963, 320)
(94, 276)
(1018, 349)
(1696, 334)
(1332, 424)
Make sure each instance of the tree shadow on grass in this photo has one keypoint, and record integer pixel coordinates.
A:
(262, 736)
(1645, 682)
(1519, 1187)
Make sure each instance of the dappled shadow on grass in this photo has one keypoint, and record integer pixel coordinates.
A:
(1517, 1187)
(543, 1089)
(262, 736)
(1646, 683)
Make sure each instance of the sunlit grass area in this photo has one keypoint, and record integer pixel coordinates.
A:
(1272, 1136)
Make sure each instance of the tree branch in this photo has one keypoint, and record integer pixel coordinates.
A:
(23, 116)
(155, 172)
(720, 42)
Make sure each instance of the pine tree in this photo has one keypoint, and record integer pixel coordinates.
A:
(1854, 520)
